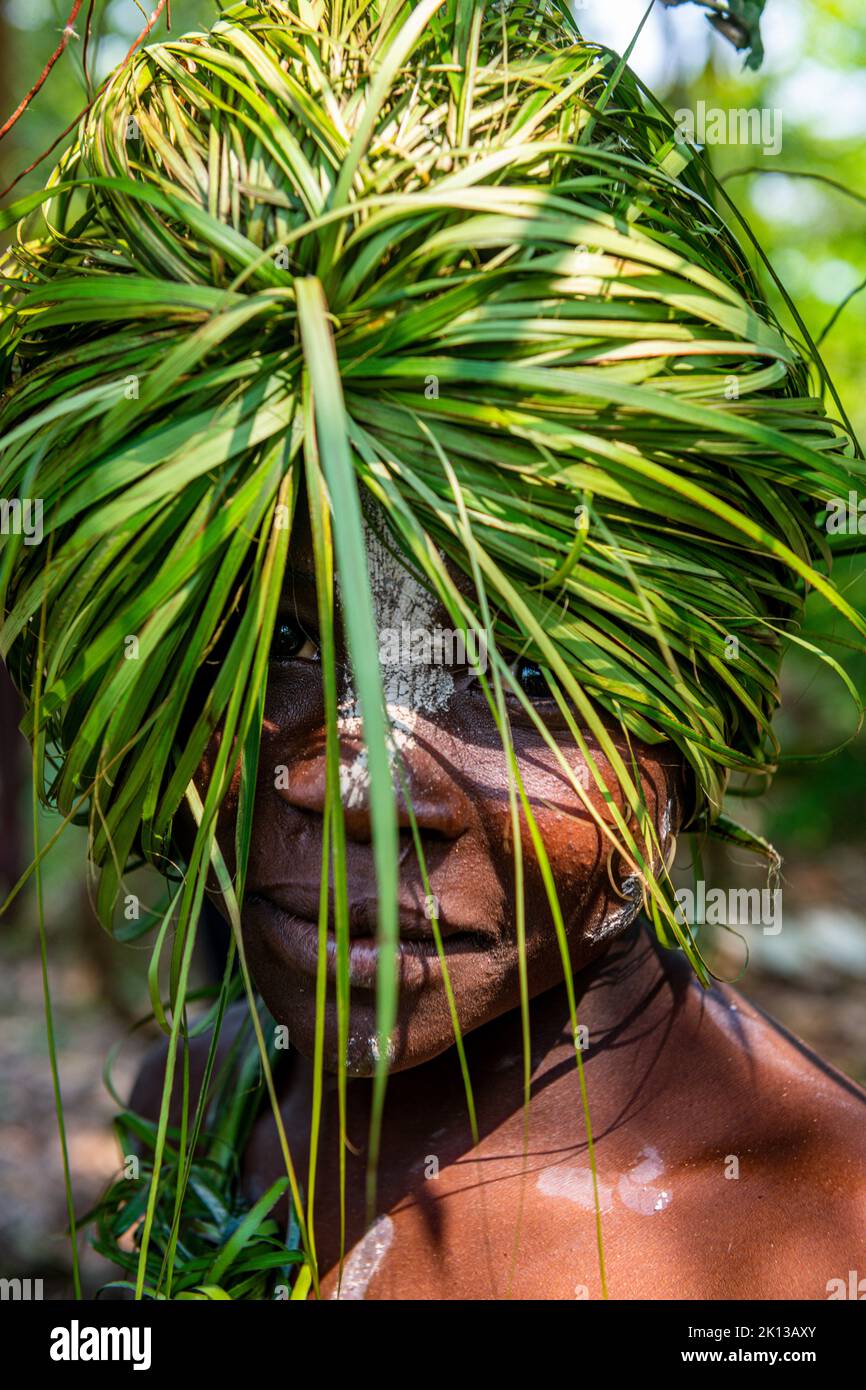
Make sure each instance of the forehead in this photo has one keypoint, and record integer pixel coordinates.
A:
(399, 593)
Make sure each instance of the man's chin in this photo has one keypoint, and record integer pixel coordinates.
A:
(407, 1046)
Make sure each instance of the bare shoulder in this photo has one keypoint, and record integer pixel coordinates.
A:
(789, 1077)
(789, 1171)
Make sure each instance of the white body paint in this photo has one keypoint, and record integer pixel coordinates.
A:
(639, 1190)
(575, 1184)
(365, 1259)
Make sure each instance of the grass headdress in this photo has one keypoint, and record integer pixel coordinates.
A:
(447, 257)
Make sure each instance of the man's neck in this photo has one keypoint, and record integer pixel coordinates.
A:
(627, 1003)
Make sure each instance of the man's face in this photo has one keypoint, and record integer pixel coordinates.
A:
(446, 752)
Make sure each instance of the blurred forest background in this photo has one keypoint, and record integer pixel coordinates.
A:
(811, 976)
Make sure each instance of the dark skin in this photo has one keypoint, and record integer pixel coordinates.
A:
(729, 1157)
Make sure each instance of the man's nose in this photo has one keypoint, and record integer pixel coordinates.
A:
(419, 772)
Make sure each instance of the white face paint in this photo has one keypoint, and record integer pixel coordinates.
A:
(365, 1259)
(411, 687)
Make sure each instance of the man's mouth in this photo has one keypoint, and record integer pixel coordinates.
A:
(290, 922)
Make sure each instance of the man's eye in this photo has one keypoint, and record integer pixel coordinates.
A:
(291, 643)
(530, 678)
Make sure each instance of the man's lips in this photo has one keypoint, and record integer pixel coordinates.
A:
(291, 924)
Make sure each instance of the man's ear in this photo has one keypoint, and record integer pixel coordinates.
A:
(676, 794)
(685, 798)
